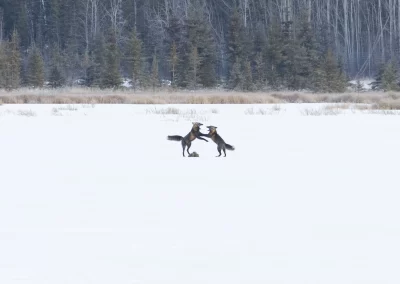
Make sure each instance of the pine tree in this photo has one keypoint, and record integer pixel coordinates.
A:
(377, 83)
(136, 60)
(111, 78)
(236, 78)
(274, 57)
(248, 78)
(194, 62)
(260, 76)
(176, 38)
(14, 62)
(236, 52)
(390, 81)
(200, 36)
(155, 80)
(305, 57)
(10, 63)
(96, 63)
(334, 80)
(174, 60)
(35, 70)
(3, 66)
(259, 60)
(56, 77)
(291, 58)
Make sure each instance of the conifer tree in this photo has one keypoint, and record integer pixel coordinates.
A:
(236, 78)
(178, 49)
(248, 78)
(14, 62)
(174, 63)
(274, 57)
(200, 37)
(377, 83)
(236, 51)
(259, 74)
(390, 81)
(305, 57)
(35, 70)
(155, 80)
(56, 77)
(194, 62)
(111, 78)
(3, 66)
(334, 80)
(136, 60)
(96, 63)
(259, 60)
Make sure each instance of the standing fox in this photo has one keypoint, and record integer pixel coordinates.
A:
(187, 140)
(218, 140)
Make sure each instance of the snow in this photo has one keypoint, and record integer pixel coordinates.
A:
(365, 83)
(97, 194)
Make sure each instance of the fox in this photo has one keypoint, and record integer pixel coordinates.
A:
(219, 141)
(187, 140)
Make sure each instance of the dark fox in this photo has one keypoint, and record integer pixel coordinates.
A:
(218, 140)
(187, 140)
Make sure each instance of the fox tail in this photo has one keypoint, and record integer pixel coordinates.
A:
(175, 138)
(229, 147)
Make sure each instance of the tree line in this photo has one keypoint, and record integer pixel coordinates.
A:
(243, 45)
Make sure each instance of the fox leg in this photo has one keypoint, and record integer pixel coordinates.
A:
(183, 147)
(219, 151)
(189, 145)
(224, 151)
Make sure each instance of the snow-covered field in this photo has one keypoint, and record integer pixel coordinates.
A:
(98, 195)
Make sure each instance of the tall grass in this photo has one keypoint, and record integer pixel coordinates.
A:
(97, 96)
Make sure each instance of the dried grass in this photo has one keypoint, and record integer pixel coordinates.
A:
(89, 96)
(27, 112)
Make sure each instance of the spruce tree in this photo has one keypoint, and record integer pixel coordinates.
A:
(136, 60)
(260, 76)
(291, 59)
(14, 62)
(274, 57)
(111, 78)
(174, 60)
(200, 37)
(390, 81)
(235, 51)
(194, 63)
(306, 56)
(248, 77)
(176, 40)
(56, 77)
(236, 77)
(96, 63)
(3, 66)
(35, 77)
(155, 80)
(377, 83)
(259, 60)
(334, 77)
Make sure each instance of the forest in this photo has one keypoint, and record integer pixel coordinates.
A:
(246, 45)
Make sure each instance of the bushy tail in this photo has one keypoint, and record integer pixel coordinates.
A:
(175, 138)
(229, 147)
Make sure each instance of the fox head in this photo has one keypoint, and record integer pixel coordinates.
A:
(212, 129)
(197, 125)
